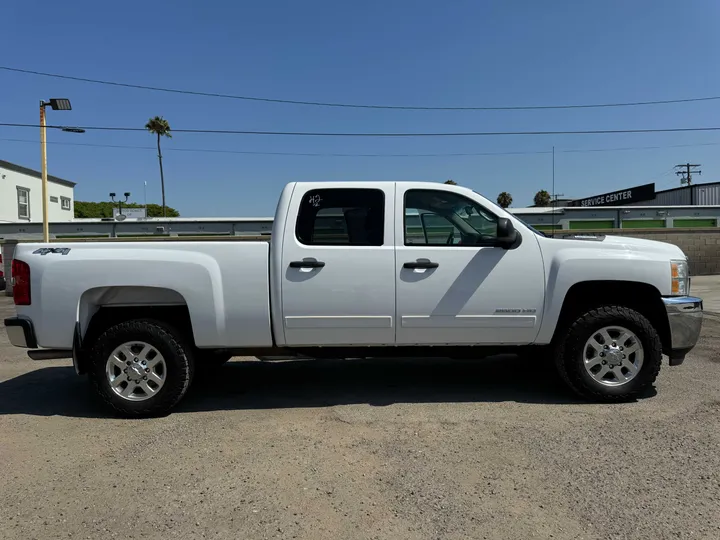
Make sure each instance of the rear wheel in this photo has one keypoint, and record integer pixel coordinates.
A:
(611, 353)
(141, 367)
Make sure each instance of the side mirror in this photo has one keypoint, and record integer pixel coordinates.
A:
(506, 233)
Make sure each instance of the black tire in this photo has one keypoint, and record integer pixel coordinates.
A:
(569, 356)
(178, 357)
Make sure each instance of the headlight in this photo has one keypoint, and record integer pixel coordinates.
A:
(680, 278)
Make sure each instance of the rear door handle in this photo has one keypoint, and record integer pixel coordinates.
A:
(309, 263)
(421, 264)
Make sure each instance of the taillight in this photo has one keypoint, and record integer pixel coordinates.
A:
(21, 283)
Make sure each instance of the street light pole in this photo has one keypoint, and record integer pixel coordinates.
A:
(43, 169)
(56, 104)
(112, 198)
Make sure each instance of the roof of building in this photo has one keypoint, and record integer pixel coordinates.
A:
(705, 184)
(31, 172)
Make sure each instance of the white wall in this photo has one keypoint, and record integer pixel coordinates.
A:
(11, 180)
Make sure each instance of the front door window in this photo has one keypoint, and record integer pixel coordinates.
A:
(442, 218)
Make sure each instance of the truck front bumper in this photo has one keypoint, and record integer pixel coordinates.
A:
(21, 333)
(685, 315)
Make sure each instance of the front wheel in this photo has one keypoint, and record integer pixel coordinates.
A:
(611, 353)
(141, 367)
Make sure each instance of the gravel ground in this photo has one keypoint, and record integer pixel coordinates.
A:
(363, 450)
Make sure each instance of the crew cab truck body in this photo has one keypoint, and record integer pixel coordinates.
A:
(357, 269)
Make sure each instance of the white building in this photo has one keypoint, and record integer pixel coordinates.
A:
(21, 196)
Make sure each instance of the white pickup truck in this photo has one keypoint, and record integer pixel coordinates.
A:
(357, 269)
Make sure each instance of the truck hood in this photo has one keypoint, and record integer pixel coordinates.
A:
(631, 244)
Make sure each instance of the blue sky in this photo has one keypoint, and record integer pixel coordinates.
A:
(397, 52)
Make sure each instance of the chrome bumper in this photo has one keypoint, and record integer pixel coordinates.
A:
(685, 315)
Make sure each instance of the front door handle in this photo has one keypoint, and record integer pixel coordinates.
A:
(421, 264)
(308, 263)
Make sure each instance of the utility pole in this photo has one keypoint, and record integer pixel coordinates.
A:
(686, 175)
(43, 174)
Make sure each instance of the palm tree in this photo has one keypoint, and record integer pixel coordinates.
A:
(451, 182)
(542, 198)
(160, 127)
(504, 199)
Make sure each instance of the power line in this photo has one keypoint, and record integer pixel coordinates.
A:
(336, 134)
(326, 154)
(657, 177)
(313, 154)
(96, 128)
(355, 105)
(664, 173)
(657, 147)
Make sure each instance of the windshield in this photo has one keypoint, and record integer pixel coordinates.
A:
(533, 229)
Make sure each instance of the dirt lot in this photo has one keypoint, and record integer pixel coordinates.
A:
(362, 450)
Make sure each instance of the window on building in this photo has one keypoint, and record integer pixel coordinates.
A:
(345, 216)
(443, 218)
(23, 200)
(65, 203)
(53, 199)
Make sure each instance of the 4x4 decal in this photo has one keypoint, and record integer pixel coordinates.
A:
(45, 251)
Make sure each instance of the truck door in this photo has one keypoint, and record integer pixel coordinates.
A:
(454, 285)
(338, 264)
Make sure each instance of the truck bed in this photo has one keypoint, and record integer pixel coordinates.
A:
(224, 284)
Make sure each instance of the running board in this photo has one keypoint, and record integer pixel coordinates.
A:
(50, 354)
(279, 358)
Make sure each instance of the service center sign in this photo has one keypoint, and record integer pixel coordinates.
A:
(618, 198)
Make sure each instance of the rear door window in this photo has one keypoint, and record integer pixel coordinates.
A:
(344, 216)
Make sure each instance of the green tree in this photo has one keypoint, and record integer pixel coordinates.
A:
(542, 198)
(504, 199)
(104, 209)
(451, 182)
(155, 210)
(160, 127)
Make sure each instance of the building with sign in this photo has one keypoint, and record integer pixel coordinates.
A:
(645, 195)
(637, 195)
(21, 195)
